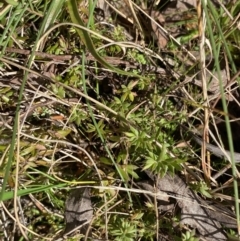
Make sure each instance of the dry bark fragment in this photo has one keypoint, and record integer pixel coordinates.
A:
(78, 210)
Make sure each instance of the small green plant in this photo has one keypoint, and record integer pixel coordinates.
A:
(127, 91)
(134, 55)
(78, 116)
(189, 236)
(159, 162)
(58, 90)
(123, 229)
(202, 188)
(137, 138)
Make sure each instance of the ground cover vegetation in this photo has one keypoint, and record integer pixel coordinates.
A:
(101, 104)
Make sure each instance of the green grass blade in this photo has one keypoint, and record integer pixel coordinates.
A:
(224, 103)
(22, 192)
(52, 13)
(11, 150)
(11, 27)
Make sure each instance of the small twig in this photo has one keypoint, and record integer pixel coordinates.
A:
(40, 54)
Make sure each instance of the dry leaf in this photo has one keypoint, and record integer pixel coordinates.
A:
(78, 210)
(158, 33)
(195, 212)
